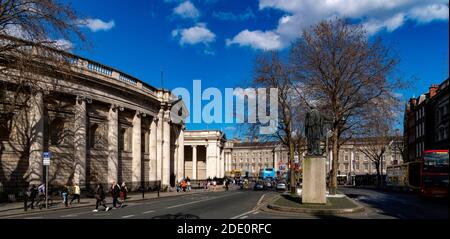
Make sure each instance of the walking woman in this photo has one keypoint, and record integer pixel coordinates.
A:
(123, 193)
(100, 198)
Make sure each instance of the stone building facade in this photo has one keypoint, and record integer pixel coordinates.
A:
(204, 152)
(100, 125)
(251, 157)
(248, 158)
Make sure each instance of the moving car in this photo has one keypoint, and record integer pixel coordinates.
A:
(281, 187)
(259, 186)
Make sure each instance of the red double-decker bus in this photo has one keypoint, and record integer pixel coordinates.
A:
(434, 175)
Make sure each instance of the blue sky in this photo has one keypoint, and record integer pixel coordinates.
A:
(216, 41)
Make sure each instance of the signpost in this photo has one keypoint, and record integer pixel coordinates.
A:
(46, 163)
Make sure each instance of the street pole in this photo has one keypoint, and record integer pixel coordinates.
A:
(46, 187)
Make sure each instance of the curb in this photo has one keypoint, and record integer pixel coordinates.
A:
(358, 208)
(86, 205)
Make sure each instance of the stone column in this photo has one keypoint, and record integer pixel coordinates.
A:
(218, 160)
(180, 167)
(36, 124)
(152, 156)
(80, 125)
(211, 159)
(166, 149)
(159, 139)
(136, 152)
(194, 161)
(113, 146)
(222, 163)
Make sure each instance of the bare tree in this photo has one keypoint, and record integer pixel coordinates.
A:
(344, 73)
(272, 72)
(31, 33)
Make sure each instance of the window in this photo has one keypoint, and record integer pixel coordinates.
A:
(356, 157)
(357, 166)
(346, 166)
(366, 166)
(57, 131)
(346, 158)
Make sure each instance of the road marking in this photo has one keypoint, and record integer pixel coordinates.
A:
(148, 212)
(255, 213)
(70, 215)
(259, 201)
(193, 202)
(244, 217)
(243, 214)
(184, 204)
(127, 216)
(33, 217)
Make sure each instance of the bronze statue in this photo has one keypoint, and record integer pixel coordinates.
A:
(313, 131)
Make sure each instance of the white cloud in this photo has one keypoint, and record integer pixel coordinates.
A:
(194, 35)
(257, 39)
(97, 25)
(375, 15)
(430, 13)
(63, 44)
(373, 26)
(187, 10)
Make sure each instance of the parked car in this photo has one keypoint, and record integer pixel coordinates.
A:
(281, 187)
(269, 184)
(259, 186)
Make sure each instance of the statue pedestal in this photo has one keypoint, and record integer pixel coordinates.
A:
(314, 180)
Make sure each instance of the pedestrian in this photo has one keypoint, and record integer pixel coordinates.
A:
(32, 192)
(214, 185)
(25, 199)
(65, 195)
(183, 185)
(227, 183)
(76, 193)
(188, 185)
(115, 193)
(100, 198)
(41, 195)
(123, 193)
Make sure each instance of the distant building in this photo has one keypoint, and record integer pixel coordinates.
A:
(426, 122)
(248, 158)
(251, 157)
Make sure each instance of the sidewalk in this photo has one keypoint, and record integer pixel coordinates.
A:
(17, 208)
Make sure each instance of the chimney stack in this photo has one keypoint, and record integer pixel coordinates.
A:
(433, 90)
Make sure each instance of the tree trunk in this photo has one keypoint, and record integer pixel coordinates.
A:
(334, 166)
(378, 174)
(292, 171)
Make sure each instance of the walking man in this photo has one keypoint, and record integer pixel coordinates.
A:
(100, 198)
(115, 193)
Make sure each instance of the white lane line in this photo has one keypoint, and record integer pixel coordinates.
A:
(193, 202)
(184, 204)
(260, 200)
(127, 216)
(244, 217)
(33, 217)
(148, 212)
(70, 215)
(255, 213)
(243, 214)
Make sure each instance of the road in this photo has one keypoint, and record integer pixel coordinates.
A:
(237, 204)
